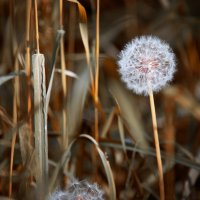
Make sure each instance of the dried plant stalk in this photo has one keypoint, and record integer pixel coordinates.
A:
(40, 118)
(157, 145)
(27, 58)
(15, 106)
(64, 82)
(96, 98)
(85, 38)
(36, 26)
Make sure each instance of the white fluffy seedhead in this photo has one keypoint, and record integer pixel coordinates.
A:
(146, 63)
(79, 190)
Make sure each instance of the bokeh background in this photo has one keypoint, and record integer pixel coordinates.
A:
(125, 133)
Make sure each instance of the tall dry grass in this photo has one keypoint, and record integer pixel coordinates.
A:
(71, 116)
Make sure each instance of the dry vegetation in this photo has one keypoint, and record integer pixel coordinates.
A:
(65, 113)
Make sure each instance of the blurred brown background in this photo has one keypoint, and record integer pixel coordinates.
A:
(177, 106)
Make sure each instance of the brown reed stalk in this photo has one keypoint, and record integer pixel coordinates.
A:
(157, 145)
(40, 120)
(15, 96)
(16, 102)
(36, 27)
(64, 81)
(71, 34)
(27, 60)
(96, 98)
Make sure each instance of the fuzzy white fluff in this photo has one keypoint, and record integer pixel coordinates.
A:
(146, 63)
(78, 190)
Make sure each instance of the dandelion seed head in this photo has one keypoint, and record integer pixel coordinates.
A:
(146, 63)
(79, 190)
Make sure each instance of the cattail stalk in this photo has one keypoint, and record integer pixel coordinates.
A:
(40, 119)
(40, 115)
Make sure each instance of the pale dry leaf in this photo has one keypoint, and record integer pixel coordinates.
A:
(129, 113)
(67, 73)
(5, 78)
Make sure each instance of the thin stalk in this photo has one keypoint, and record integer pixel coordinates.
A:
(61, 13)
(71, 34)
(36, 27)
(15, 95)
(64, 81)
(71, 39)
(15, 105)
(96, 98)
(157, 145)
(28, 68)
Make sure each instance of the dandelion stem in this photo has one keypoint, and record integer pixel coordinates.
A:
(157, 145)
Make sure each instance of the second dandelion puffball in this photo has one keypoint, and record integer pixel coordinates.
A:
(146, 63)
(79, 190)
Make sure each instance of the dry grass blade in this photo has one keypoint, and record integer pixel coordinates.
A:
(77, 102)
(128, 112)
(121, 132)
(84, 36)
(65, 157)
(16, 103)
(40, 118)
(82, 12)
(60, 34)
(108, 123)
(106, 165)
(67, 73)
